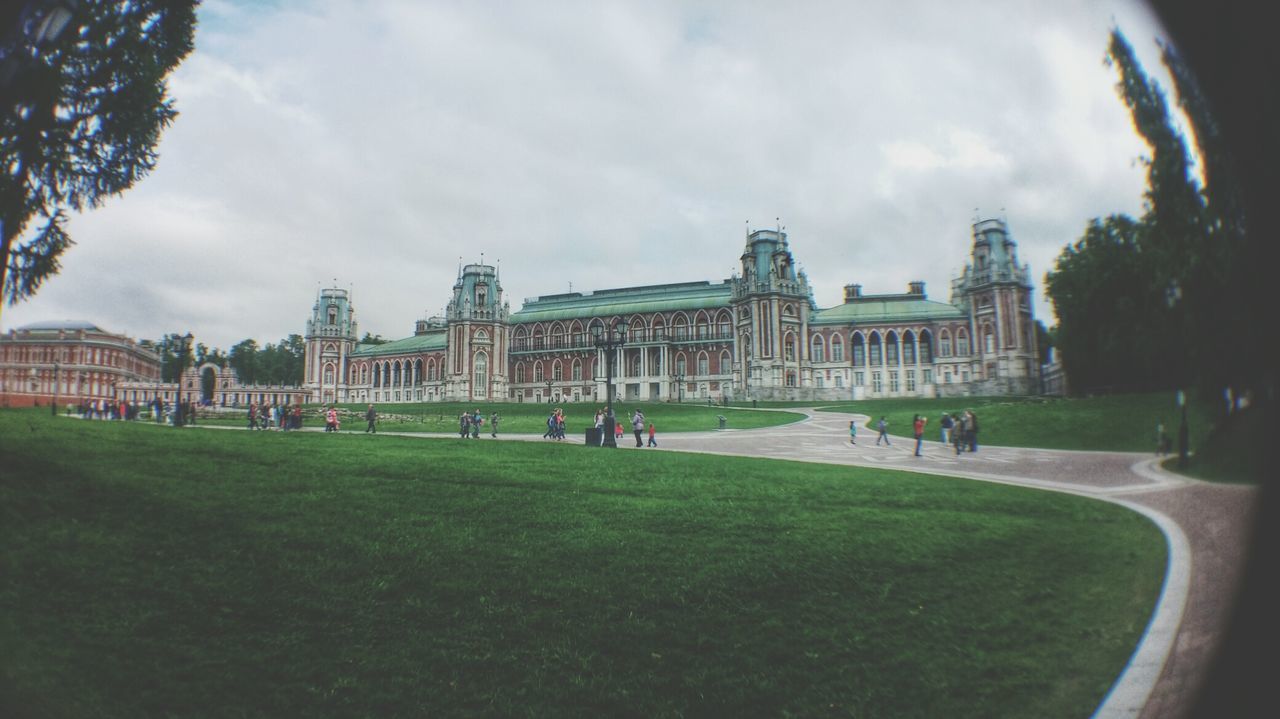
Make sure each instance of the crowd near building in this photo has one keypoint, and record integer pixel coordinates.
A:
(756, 335)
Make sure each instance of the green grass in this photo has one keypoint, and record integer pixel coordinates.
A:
(1120, 423)
(529, 418)
(153, 571)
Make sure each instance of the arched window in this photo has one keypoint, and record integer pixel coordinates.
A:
(989, 340)
(537, 372)
(519, 372)
(704, 365)
(557, 371)
(328, 374)
(723, 331)
(944, 343)
(333, 315)
(680, 365)
(962, 343)
(837, 349)
(926, 348)
(577, 370)
(481, 373)
(726, 363)
(891, 348)
(789, 347)
(815, 349)
(908, 347)
(876, 357)
(859, 350)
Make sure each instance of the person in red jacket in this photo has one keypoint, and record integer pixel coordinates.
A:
(917, 426)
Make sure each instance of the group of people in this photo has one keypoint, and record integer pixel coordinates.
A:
(274, 416)
(469, 424)
(555, 425)
(960, 431)
(638, 425)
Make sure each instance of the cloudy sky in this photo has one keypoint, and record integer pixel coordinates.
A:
(599, 144)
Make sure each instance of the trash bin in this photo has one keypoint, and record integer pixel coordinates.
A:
(722, 419)
(593, 437)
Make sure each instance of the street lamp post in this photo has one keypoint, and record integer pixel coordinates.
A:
(609, 340)
(180, 415)
(1182, 431)
(53, 406)
(679, 386)
(549, 392)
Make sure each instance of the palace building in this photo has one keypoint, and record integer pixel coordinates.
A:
(66, 362)
(756, 335)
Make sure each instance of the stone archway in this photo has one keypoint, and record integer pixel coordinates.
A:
(208, 383)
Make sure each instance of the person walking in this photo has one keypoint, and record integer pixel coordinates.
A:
(371, 416)
(477, 419)
(331, 419)
(917, 427)
(464, 425)
(946, 425)
(493, 423)
(551, 426)
(637, 425)
(957, 433)
(652, 441)
(253, 416)
(883, 426)
(853, 431)
(973, 431)
(600, 425)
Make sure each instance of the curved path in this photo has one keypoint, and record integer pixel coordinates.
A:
(1206, 526)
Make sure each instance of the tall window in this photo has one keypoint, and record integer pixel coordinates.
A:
(875, 349)
(990, 340)
(859, 379)
(944, 344)
(557, 371)
(680, 366)
(703, 365)
(481, 386)
(537, 371)
(891, 348)
(815, 349)
(789, 347)
(926, 347)
(962, 344)
(577, 370)
(876, 385)
(908, 348)
(859, 352)
(837, 349)
(893, 381)
(911, 380)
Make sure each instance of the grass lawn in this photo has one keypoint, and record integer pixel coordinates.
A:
(1121, 423)
(530, 418)
(151, 571)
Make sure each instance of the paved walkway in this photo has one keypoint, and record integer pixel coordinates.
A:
(1206, 525)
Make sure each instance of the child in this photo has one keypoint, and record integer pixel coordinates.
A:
(652, 442)
(853, 431)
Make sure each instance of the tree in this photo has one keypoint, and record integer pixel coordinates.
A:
(371, 339)
(82, 114)
(243, 358)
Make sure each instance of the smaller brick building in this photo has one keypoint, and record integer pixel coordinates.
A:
(70, 360)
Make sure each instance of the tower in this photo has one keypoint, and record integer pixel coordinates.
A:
(771, 304)
(331, 335)
(476, 365)
(996, 293)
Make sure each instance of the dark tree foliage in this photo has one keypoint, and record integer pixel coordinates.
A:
(1141, 304)
(273, 364)
(80, 120)
(372, 339)
(1109, 333)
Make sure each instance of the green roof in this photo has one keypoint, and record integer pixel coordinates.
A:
(409, 345)
(625, 301)
(887, 308)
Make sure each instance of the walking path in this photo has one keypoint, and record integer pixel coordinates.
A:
(1206, 526)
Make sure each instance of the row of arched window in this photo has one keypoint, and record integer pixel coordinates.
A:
(395, 373)
(702, 325)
